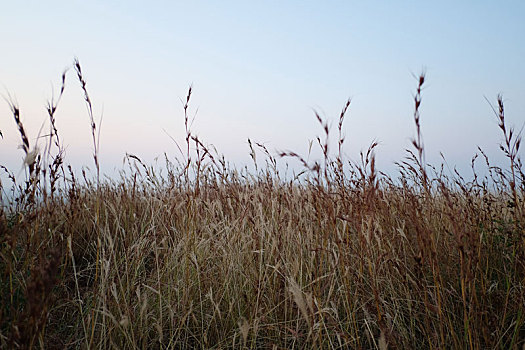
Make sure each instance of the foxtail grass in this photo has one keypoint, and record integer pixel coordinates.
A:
(197, 253)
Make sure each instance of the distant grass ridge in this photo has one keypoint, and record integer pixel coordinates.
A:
(210, 256)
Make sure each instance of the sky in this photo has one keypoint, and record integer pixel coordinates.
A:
(259, 70)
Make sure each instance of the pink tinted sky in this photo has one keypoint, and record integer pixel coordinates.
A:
(259, 69)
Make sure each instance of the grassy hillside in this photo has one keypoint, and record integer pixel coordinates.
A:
(210, 256)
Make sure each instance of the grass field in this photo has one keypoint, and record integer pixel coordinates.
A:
(205, 255)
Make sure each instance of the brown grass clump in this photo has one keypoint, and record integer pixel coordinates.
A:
(209, 256)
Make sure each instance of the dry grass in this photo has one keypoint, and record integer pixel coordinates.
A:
(208, 256)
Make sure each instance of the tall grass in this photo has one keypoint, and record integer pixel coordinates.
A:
(210, 256)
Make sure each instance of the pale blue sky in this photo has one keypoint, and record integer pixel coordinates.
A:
(259, 68)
